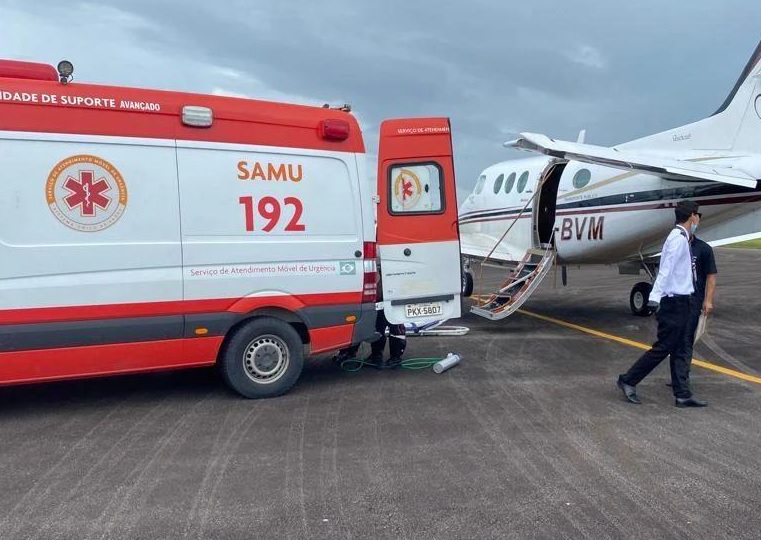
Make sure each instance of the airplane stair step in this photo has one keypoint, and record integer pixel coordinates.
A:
(519, 286)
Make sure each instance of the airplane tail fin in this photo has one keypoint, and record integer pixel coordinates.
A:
(751, 73)
(736, 124)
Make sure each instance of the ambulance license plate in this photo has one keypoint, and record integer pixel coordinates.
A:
(424, 310)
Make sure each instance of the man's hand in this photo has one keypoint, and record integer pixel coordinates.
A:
(707, 307)
(653, 306)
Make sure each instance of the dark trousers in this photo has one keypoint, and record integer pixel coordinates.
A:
(696, 307)
(673, 319)
(397, 337)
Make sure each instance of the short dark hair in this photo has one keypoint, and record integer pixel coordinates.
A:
(684, 209)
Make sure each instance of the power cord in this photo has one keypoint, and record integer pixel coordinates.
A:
(356, 364)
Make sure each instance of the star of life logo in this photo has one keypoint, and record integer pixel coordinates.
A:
(407, 190)
(86, 193)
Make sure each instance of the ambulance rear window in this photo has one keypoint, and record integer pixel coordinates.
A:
(416, 189)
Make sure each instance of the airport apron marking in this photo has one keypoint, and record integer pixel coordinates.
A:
(639, 345)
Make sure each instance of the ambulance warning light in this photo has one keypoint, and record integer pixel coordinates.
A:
(65, 70)
(17, 69)
(332, 129)
(197, 116)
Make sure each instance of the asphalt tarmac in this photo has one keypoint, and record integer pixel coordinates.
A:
(528, 437)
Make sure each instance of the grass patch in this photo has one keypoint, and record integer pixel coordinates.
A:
(748, 244)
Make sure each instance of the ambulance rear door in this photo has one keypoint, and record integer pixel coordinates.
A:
(418, 236)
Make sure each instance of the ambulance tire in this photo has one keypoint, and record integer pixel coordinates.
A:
(262, 358)
(467, 284)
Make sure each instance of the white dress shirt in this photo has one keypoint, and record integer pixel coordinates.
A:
(675, 271)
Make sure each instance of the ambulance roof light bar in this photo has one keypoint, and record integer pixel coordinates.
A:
(18, 69)
(346, 107)
(65, 70)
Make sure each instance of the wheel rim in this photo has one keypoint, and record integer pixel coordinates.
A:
(266, 359)
(638, 300)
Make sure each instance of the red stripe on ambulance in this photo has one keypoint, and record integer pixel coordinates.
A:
(186, 307)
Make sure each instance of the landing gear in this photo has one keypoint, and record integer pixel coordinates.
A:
(638, 299)
(467, 278)
(467, 284)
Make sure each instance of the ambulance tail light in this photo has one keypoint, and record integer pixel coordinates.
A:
(370, 250)
(369, 283)
(369, 289)
(333, 129)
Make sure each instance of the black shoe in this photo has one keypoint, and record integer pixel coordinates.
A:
(630, 393)
(690, 402)
(391, 363)
(340, 358)
(374, 360)
(394, 362)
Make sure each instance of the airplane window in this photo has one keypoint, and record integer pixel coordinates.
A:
(510, 182)
(522, 181)
(480, 184)
(498, 183)
(581, 178)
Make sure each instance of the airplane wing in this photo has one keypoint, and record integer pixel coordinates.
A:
(673, 169)
(734, 239)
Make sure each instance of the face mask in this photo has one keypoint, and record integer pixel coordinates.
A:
(693, 228)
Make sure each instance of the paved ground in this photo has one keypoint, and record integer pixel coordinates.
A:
(527, 438)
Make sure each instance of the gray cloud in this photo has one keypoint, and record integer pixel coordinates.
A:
(619, 70)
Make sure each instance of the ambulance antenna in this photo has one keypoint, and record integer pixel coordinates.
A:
(65, 69)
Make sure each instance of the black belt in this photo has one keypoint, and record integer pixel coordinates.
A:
(678, 295)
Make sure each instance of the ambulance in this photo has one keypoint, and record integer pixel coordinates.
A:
(145, 230)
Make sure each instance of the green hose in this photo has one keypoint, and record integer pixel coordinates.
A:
(356, 364)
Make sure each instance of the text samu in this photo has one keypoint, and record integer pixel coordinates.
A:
(270, 171)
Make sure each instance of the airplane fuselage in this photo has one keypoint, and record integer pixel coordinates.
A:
(593, 214)
(578, 203)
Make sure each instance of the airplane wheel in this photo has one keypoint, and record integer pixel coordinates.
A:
(638, 299)
(467, 284)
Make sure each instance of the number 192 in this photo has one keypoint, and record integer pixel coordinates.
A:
(270, 209)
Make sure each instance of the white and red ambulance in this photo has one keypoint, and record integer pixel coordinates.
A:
(143, 230)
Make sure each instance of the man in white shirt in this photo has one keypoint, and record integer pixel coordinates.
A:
(670, 296)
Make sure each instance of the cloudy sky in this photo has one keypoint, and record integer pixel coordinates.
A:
(619, 69)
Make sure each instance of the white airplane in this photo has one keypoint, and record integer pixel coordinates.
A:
(579, 204)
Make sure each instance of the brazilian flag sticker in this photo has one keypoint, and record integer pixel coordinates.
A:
(347, 268)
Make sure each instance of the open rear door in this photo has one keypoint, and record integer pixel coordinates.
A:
(418, 236)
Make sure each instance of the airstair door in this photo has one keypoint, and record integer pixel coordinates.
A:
(526, 277)
(418, 235)
(546, 204)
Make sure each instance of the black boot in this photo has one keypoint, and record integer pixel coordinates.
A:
(375, 359)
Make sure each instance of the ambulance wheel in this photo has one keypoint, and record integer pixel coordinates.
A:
(467, 284)
(262, 358)
(638, 299)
